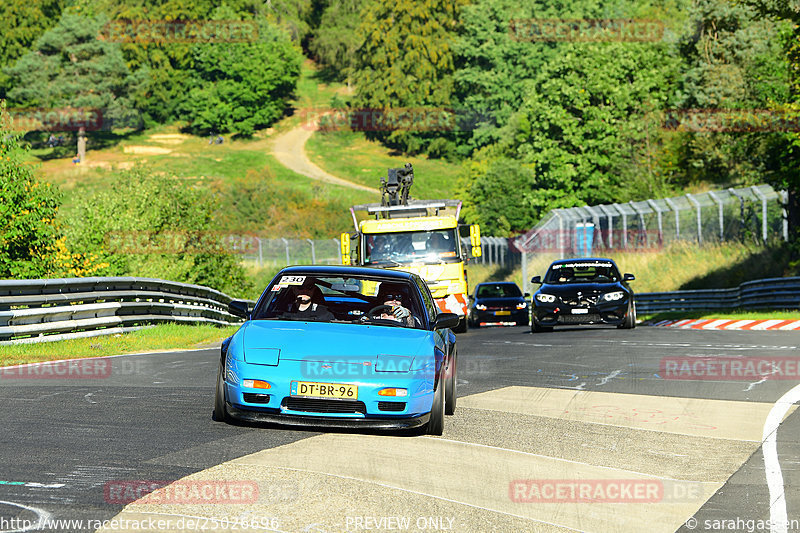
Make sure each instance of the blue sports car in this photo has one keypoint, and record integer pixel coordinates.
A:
(343, 347)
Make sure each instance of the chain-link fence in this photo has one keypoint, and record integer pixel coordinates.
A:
(753, 214)
(281, 252)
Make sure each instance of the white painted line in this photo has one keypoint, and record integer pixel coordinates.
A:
(43, 518)
(777, 497)
(609, 377)
(738, 324)
(766, 324)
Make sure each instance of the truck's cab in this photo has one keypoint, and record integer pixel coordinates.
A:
(420, 236)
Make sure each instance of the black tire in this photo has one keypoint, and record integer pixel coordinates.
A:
(435, 425)
(536, 328)
(462, 326)
(450, 390)
(220, 413)
(630, 318)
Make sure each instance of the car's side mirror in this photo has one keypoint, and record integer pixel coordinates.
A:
(536, 279)
(527, 295)
(239, 308)
(628, 277)
(445, 320)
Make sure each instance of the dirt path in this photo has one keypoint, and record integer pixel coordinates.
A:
(289, 149)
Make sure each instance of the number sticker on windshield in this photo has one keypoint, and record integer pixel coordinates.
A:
(292, 280)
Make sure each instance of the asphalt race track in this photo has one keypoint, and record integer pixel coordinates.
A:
(543, 420)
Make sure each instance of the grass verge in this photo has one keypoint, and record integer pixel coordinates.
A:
(159, 337)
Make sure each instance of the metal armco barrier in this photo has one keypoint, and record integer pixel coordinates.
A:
(771, 293)
(54, 309)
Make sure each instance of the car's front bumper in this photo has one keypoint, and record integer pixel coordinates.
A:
(275, 416)
(492, 318)
(612, 313)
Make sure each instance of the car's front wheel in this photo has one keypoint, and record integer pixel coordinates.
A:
(220, 411)
(537, 328)
(450, 390)
(630, 318)
(436, 423)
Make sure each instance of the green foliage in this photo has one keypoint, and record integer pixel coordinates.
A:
(28, 207)
(70, 67)
(406, 61)
(153, 226)
(21, 23)
(239, 87)
(336, 40)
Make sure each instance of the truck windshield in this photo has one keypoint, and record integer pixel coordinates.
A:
(429, 247)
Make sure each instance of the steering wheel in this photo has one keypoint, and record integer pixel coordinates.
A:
(379, 309)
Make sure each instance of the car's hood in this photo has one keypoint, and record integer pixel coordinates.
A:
(331, 342)
(584, 288)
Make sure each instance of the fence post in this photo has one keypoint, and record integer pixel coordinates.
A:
(641, 221)
(524, 272)
(624, 225)
(313, 255)
(260, 253)
(696, 204)
(784, 213)
(339, 248)
(286, 244)
(654, 207)
(610, 218)
(675, 210)
(763, 211)
(719, 205)
(560, 238)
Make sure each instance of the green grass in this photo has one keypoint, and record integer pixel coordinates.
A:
(160, 337)
(730, 314)
(351, 156)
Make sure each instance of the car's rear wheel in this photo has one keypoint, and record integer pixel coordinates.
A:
(630, 318)
(450, 390)
(436, 423)
(220, 411)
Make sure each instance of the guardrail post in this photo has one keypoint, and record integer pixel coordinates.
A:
(763, 211)
(313, 255)
(719, 205)
(696, 204)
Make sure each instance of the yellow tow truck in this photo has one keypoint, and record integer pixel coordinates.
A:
(420, 236)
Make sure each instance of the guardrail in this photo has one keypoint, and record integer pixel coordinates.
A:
(771, 293)
(54, 309)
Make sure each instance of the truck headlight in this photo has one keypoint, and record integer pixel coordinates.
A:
(613, 296)
(545, 298)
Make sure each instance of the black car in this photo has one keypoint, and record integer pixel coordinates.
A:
(497, 303)
(583, 291)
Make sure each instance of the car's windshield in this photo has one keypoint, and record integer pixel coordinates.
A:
(582, 272)
(436, 246)
(498, 290)
(358, 300)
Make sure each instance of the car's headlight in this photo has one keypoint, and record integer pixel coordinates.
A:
(545, 298)
(480, 307)
(522, 305)
(613, 296)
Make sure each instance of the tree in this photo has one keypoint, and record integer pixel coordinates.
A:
(21, 23)
(406, 61)
(28, 207)
(335, 41)
(70, 67)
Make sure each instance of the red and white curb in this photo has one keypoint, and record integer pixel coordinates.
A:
(729, 324)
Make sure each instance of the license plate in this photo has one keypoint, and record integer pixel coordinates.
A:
(502, 313)
(324, 390)
(580, 311)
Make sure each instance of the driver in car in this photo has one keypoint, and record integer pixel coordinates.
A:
(392, 308)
